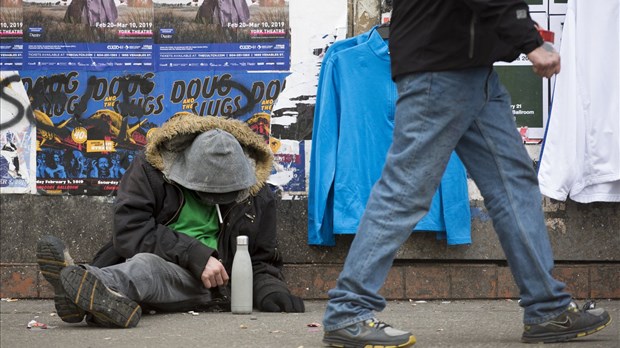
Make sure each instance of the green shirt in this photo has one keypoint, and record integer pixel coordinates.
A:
(197, 220)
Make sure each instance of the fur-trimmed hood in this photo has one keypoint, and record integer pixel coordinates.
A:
(176, 134)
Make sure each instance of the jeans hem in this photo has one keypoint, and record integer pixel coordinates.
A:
(545, 318)
(348, 322)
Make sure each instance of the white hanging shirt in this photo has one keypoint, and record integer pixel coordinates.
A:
(580, 158)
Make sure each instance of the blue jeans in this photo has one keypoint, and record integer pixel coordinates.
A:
(437, 112)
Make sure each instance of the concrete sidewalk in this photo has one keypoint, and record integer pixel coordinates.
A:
(460, 324)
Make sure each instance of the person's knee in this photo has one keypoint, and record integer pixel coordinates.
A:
(144, 266)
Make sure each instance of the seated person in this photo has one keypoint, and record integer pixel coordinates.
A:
(199, 184)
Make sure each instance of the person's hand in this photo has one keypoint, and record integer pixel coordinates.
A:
(546, 60)
(282, 302)
(214, 274)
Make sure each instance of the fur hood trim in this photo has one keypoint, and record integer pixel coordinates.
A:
(179, 131)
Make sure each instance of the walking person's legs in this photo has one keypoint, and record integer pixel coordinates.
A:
(432, 113)
(493, 152)
(435, 112)
(494, 155)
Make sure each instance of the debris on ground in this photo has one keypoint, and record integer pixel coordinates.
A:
(33, 324)
(314, 327)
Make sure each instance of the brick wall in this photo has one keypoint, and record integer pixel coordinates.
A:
(584, 237)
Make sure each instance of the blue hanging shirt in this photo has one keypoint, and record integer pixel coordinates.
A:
(352, 132)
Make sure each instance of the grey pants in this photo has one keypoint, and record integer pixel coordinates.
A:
(155, 283)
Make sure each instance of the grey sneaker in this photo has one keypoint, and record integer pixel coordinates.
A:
(109, 307)
(52, 257)
(368, 334)
(573, 323)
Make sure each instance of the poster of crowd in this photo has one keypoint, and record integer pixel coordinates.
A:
(11, 44)
(91, 125)
(88, 35)
(222, 34)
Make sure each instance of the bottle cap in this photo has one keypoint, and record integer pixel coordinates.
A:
(242, 240)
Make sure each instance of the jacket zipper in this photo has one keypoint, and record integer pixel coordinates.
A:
(472, 33)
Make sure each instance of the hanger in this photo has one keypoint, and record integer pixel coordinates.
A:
(384, 30)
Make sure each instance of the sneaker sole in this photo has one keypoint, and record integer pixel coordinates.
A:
(349, 344)
(551, 338)
(52, 259)
(85, 289)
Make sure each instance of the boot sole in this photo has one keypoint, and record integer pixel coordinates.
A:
(85, 289)
(51, 259)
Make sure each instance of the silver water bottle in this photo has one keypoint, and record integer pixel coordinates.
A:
(241, 279)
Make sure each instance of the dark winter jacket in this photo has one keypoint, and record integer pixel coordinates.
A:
(438, 35)
(147, 202)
